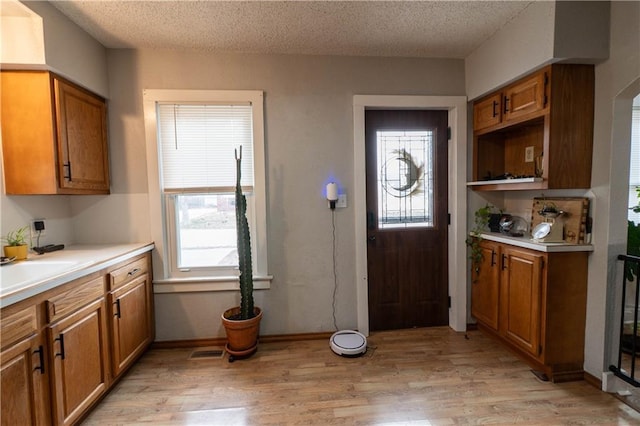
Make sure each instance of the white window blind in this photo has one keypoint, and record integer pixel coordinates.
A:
(197, 144)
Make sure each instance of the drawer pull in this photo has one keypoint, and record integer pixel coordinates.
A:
(493, 257)
(117, 313)
(40, 352)
(506, 104)
(133, 272)
(504, 262)
(61, 340)
(494, 112)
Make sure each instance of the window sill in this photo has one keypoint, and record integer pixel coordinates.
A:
(207, 284)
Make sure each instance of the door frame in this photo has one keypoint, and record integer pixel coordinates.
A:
(457, 194)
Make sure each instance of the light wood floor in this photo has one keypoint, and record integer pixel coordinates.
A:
(413, 377)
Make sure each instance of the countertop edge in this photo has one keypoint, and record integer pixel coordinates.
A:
(532, 245)
(32, 289)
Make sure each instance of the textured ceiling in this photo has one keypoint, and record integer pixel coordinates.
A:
(443, 29)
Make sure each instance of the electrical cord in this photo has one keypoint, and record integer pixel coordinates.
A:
(335, 274)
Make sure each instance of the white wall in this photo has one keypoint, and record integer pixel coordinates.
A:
(21, 35)
(543, 33)
(617, 82)
(309, 136)
(70, 51)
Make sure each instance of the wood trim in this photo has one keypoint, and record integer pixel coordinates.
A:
(221, 341)
(593, 380)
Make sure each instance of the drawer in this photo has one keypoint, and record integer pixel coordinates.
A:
(17, 326)
(65, 303)
(128, 272)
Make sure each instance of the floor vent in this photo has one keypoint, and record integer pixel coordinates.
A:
(208, 353)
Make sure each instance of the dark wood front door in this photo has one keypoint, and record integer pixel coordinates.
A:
(406, 158)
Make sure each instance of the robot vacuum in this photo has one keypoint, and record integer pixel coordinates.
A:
(348, 343)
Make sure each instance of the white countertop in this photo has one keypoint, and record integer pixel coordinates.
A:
(527, 242)
(22, 279)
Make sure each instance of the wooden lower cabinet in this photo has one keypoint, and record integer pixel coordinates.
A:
(130, 322)
(520, 293)
(24, 384)
(540, 308)
(79, 361)
(485, 285)
(63, 349)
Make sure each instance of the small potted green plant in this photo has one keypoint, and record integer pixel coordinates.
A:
(16, 243)
(242, 323)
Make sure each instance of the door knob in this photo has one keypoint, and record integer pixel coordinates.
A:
(371, 238)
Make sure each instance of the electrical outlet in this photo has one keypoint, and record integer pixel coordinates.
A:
(38, 225)
(342, 201)
(528, 154)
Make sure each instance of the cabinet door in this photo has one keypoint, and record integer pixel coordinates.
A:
(131, 322)
(82, 139)
(78, 351)
(485, 283)
(525, 97)
(487, 112)
(23, 379)
(521, 286)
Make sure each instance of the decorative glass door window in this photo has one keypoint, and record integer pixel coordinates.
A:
(405, 178)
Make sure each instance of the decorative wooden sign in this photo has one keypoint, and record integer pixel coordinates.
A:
(574, 218)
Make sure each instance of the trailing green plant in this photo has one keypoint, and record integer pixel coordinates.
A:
(244, 248)
(480, 224)
(17, 237)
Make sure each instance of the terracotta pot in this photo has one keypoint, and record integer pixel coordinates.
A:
(242, 335)
(19, 252)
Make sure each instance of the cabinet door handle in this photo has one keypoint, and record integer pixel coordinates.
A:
(506, 103)
(68, 167)
(493, 257)
(504, 262)
(117, 314)
(40, 352)
(494, 112)
(61, 340)
(133, 272)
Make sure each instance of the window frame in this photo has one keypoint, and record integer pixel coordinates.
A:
(165, 259)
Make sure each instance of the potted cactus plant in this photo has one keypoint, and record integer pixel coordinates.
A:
(242, 323)
(16, 243)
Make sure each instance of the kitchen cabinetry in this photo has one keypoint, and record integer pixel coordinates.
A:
(540, 306)
(60, 351)
(485, 285)
(24, 378)
(536, 133)
(515, 102)
(78, 352)
(131, 321)
(520, 298)
(54, 136)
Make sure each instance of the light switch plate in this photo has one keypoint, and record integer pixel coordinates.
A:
(528, 154)
(342, 201)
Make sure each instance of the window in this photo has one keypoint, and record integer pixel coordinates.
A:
(192, 137)
(634, 171)
(405, 178)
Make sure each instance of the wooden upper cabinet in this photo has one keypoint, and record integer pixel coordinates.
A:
(54, 136)
(542, 135)
(526, 97)
(487, 112)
